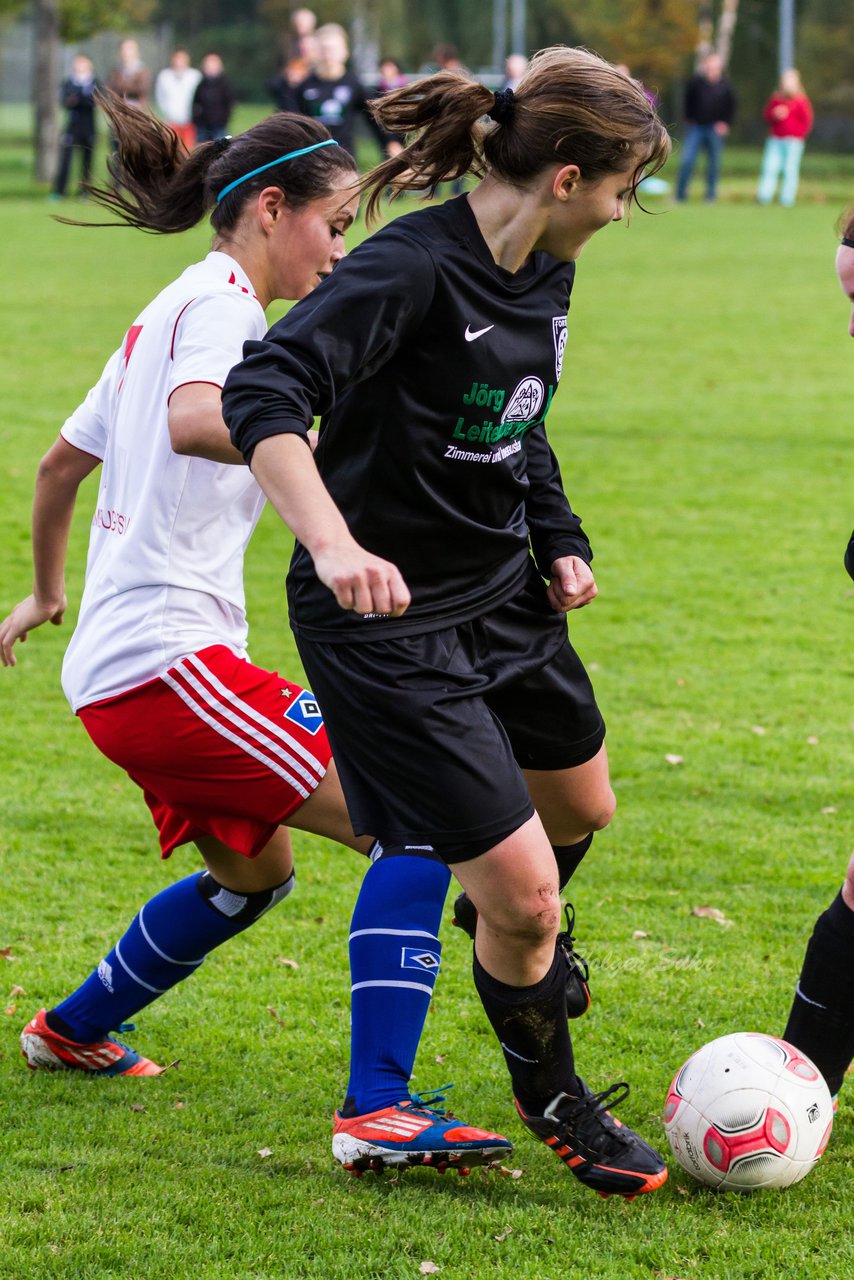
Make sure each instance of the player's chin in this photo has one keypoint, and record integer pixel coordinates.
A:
(308, 286)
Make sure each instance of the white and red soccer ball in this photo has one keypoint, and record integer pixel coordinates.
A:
(748, 1111)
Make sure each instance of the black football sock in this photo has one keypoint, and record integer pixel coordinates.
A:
(530, 1023)
(568, 858)
(821, 1020)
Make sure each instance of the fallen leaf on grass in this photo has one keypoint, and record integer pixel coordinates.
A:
(428, 1268)
(757, 728)
(440, 1058)
(638, 934)
(291, 964)
(829, 808)
(13, 1008)
(672, 759)
(16, 991)
(6, 953)
(273, 1014)
(711, 913)
(137, 1106)
(812, 740)
(504, 1235)
(700, 1022)
(179, 1106)
(497, 1167)
(265, 1152)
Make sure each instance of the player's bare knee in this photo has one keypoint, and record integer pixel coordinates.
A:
(600, 815)
(528, 920)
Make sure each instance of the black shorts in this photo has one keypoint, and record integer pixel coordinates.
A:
(430, 732)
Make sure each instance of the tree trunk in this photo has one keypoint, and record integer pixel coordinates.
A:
(45, 85)
(726, 29)
(705, 30)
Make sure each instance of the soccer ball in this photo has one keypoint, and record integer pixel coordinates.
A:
(748, 1111)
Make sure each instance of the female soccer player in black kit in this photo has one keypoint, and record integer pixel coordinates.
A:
(821, 1020)
(437, 553)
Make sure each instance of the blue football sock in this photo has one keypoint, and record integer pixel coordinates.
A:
(394, 958)
(166, 942)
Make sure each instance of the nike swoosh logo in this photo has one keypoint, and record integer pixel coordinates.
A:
(478, 333)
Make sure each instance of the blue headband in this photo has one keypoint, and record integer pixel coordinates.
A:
(292, 155)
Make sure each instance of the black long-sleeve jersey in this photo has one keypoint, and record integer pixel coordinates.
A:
(433, 370)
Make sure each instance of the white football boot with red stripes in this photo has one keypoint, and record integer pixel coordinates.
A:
(46, 1050)
(413, 1133)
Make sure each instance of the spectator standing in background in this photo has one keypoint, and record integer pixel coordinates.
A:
(515, 66)
(303, 32)
(77, 95)
(173, 95)
(131, 78)
(298, 60)
(391, 78)
(283, 86)
(332, 94)
(213, 101)
(789, 116)
(710, 104)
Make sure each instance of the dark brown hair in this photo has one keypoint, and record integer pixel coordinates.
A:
(846, 224)
(159, 187)
(570, 107)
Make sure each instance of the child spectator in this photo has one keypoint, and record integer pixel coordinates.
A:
(77, 95)
(789, 116)
(213, 101)
(173, 93)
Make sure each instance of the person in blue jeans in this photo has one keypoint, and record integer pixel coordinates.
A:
(710, 105)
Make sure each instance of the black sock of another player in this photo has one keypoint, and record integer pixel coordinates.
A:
(568, 858)
(821, 1021)
(530, 1023)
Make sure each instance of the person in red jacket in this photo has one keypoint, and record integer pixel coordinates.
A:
(788, 113)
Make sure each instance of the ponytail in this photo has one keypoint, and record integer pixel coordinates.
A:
(447, 108)
(159, 187)
(570, 107)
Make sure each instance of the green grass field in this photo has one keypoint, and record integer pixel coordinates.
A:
(701, 426)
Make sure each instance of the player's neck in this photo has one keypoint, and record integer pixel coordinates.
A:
(510, 221)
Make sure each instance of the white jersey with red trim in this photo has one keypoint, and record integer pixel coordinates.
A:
(164, 574)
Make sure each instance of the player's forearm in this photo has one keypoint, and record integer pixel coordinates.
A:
(53, 508)
(285, 469)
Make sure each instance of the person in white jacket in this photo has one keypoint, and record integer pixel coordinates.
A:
(173, 95)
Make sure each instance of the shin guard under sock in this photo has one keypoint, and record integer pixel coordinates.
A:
(166, 942)
(394, 959)
(821, 1020)
(530, 1023)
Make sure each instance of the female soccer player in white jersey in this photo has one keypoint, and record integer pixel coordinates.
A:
(433, 355)
(226, 753)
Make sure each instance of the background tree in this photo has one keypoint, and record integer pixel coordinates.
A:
(653, 37)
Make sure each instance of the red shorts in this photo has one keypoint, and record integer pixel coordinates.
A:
(219, 747)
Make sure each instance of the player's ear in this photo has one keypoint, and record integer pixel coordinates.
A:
(566, 181)
(272, 205)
